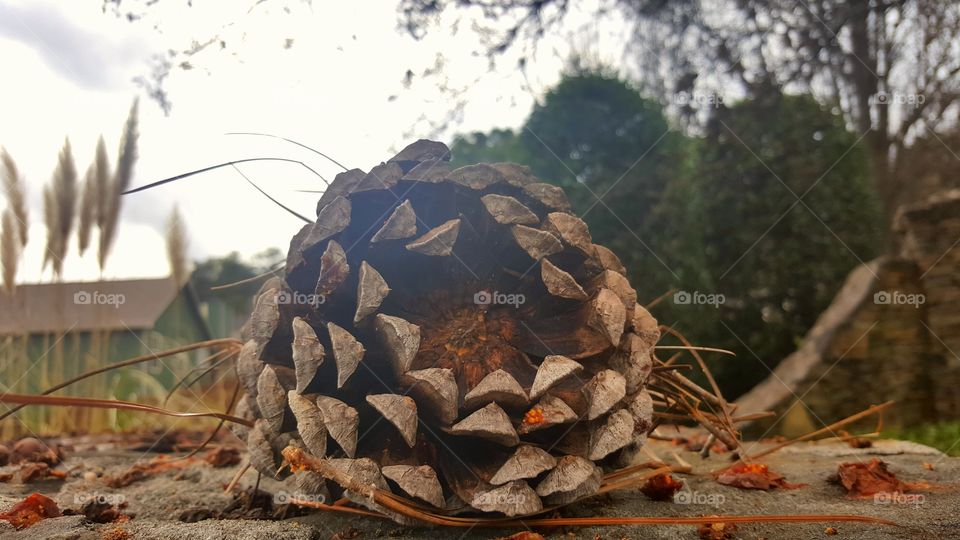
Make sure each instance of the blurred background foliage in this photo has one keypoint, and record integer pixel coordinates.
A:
(775, 233)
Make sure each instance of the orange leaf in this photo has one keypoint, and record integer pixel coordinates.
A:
(868, 479)
(31, 510)
(716, 531)
(754, 476)
(661, 487)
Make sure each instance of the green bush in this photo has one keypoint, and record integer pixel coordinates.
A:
(715, 214)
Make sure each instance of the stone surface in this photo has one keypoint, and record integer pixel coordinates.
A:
(157, 501)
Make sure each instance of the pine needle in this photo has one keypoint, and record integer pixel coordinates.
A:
(93, 403)
(9, 251)
(291, 141)
(16, 194)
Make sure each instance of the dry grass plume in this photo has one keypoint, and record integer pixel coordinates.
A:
(177, 248)
(102, 181)
(16, 195)
(50, 222)
(9, 250)
(121, 181)
(88, 208)
(64, 194)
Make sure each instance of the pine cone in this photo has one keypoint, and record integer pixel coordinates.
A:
(454, 336)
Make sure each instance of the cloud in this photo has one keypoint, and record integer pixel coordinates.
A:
(89, 59)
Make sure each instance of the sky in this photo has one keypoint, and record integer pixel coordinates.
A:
(339, 87)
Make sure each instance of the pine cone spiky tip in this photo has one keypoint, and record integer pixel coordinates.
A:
(451, 335)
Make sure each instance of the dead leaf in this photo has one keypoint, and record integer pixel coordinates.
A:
(31, 510)
(31, 449)
(38, 472)
(695, 443)
(33, 472)
(525, 535)
(754, 476)
(867, 479)
(142, 471)
(99, 511)
(716, 531)
(661, 487)
(860, 442)
(830, 531)
(223, 456)
(347, 534)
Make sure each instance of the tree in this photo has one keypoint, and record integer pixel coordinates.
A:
(891, 66)
(613, 152)
(788, 210)
(706, 215)
(231, 269)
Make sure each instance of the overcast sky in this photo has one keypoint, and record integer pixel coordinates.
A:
(68, 71)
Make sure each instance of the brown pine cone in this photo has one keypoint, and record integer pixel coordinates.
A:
(453, 335)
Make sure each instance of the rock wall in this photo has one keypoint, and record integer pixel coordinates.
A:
(892, 332)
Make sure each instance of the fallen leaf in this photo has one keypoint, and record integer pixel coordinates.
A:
(223, 456)
(661, 487)
(867, 479)
(346, 534)
(830, 531)
(754, 476)
(525, 535)
(33, 472)
(31, 510)
(716, 531)
(104, 512)
(695, 443)
(859, 442)
(142, 471)
(37, 472)
(31, 449)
